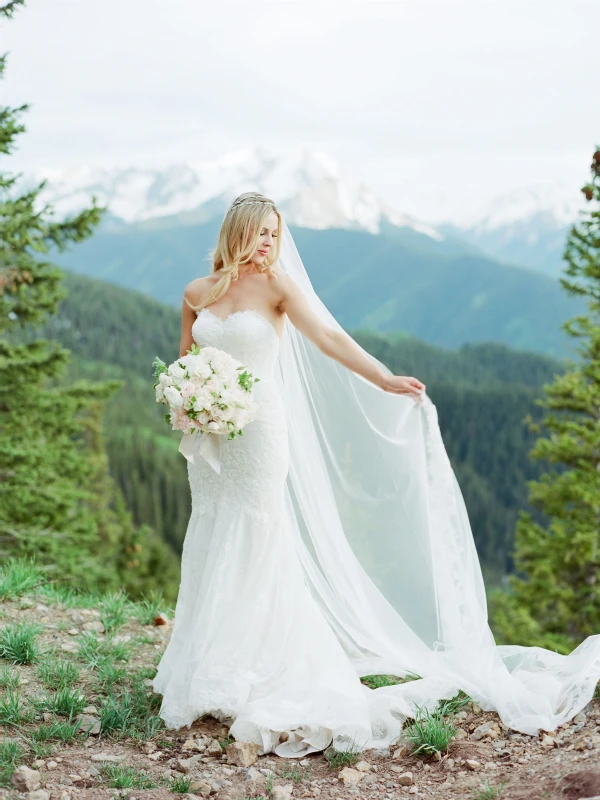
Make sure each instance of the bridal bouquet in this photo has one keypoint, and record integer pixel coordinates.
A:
(207, 391)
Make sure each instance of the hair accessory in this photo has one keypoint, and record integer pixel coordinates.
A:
(251, 200)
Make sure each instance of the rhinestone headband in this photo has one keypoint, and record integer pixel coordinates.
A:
(247, 201)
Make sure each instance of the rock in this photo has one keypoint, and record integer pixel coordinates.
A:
(282, 792)
(476, 708)
(73, 632)
(350, 777)
(243, 754)
(413, 790)
(401, 751)
(187, 764)
(253, 774)
(363, 766)
(201, 786)
(405, 779)
(268, 773)
(472, 764)
(39, 794)
(189, 744)
(548, 741)
(89, 724)
(90, 710)
(161, 619)
(95, 626)
(51, 765)
(107, 757)
(448, 764)
(25, 779)
(580, 719)
(460, 734)
(214, 749)
(485, 730)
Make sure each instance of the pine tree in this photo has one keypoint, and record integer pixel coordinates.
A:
(554, 599)
(57, 500)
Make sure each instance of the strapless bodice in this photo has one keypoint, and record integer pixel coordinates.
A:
(246, 335)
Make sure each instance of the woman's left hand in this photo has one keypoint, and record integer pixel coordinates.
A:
(402, 384)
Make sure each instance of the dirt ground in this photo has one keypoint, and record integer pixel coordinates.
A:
(485, 760)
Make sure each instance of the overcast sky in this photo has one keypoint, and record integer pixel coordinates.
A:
(429, 102)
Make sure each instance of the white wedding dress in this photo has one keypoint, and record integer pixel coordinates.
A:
(314, 557)
(249, 642)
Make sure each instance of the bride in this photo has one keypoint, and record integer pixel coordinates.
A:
(331, 540)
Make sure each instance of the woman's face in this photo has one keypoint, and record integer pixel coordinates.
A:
(266, 239)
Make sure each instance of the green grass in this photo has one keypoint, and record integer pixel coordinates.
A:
(295, 773)
(429, 732)
(20, 575)
(17, 642)
(489, 792)
(126, 777)
(343, 758)
(377, 681)
(12, 753)
(96, 653)
(148, 608)
(9, 678)
(12, 709)
(55, 673)
(115, 610)
(131, 712)
(448, 708)
(65, 702)
(65, 731)
(180, 784)
(226, 740)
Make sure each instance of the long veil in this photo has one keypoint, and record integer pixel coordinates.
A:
(384, 538)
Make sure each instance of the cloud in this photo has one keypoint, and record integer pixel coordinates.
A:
(495, 93)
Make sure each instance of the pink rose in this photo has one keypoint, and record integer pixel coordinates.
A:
(187, 390)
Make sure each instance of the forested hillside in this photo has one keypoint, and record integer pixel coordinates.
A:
(398, 280)
(482, 392)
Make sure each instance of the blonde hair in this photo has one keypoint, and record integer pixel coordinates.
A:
(237, 242)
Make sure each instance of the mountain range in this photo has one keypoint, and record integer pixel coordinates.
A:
(375, 267)
(525, 227)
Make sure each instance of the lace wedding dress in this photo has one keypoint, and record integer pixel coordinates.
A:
(334, 543)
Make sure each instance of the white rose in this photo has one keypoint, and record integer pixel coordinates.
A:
(177, 372)
(221, 364)
(165, 379)
(174, 397)
(201, 370)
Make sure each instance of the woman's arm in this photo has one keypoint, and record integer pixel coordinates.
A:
(338, 344)
(188, 317)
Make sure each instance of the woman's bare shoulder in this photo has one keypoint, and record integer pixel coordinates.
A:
(197, 290)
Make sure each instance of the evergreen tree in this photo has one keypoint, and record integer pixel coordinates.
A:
(57, 500)
(554, 599)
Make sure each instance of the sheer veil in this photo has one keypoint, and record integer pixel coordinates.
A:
(386, 545)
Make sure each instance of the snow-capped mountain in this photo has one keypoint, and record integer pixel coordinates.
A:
(526, 227)
(557, 202)
(311, 189)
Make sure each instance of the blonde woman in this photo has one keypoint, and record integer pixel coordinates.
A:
(331, 540)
